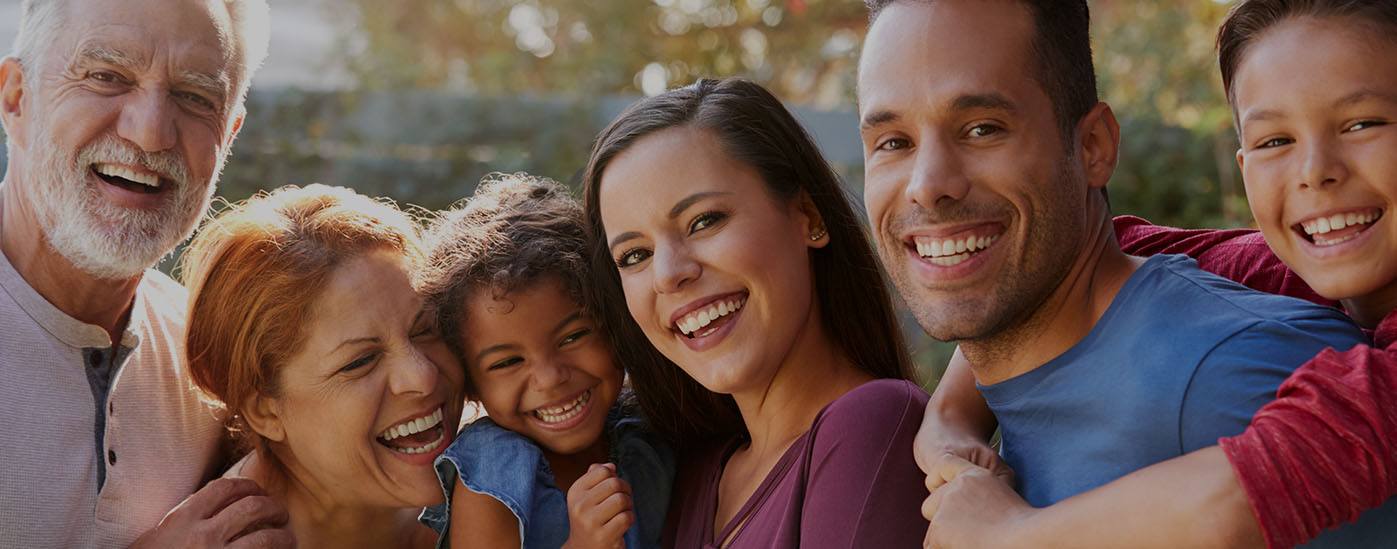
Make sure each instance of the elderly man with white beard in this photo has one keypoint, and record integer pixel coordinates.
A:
(119, 115)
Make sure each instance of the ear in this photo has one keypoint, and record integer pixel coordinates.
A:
(816, 233)
(1100, 140)
(263, 416)
(1241, 160)
(12, 99)
(237, 125)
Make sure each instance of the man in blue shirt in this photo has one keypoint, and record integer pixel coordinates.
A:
(987, 155)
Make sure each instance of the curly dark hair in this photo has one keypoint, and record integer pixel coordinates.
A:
(516, 230)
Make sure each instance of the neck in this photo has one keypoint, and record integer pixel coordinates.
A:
(317, 519)
(1370, 310)
(813, 374)
(567, 468)
(1067, 315)
(102, 303)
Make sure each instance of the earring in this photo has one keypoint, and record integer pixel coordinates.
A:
(817, 235)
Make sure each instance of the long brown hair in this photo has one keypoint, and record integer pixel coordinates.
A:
(756, 130)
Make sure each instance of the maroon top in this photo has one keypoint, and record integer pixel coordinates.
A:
(1326, 449)
(850, 481)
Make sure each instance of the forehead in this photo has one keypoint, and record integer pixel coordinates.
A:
(667, 165)
(920, 54)
(1332, 58)
(365, 291)
(190, 34)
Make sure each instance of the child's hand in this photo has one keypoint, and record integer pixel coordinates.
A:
(599, 509)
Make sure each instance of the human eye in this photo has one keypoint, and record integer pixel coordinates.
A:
(106, 77)
(705, 220)
(632, 257)
(893, 144)
(574, 336)
(985, 130)
(196, 99)
(1275, 142)
(359, 363)
(504, 363)
(1364, 124)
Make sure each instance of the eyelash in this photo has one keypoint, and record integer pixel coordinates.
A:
(702, 221)
(993, 129)
(894, 144)
(359, 363)
(504, 363)
(573, 337)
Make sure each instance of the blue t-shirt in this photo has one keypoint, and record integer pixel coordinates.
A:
(1181, 358)
(491, 460)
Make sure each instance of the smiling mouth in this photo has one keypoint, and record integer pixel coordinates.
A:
(703, 322)
(128, 179)
(949, 252)
(556, 415)
(415, 436)
(1338, 228)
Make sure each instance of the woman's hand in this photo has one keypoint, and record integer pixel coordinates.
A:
(599, 509)
(970, 506)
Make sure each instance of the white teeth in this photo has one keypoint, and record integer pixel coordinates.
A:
(412, 426)
(939, 249)
(1324, 225)
(112, 170)
(696, 320)
(559, 414)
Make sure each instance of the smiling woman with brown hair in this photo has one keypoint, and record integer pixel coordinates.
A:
(722, 238)
(305, 328)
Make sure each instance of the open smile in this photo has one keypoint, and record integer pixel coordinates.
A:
(705, 322)
(564, 415)
(946, 255)
(418, 439)
(1337, 228)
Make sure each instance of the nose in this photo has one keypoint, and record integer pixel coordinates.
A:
(413, 374)
(148, 121)
(549, 373)
(1322, 165)
(674, 268)
(937, 175)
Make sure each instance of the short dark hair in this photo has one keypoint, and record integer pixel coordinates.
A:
(515, 230)
(755, 129)
(1062, 49)
(1252, 18)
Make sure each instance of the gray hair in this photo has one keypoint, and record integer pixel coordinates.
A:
(39, 19)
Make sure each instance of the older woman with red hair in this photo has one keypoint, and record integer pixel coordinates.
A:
(306, 331)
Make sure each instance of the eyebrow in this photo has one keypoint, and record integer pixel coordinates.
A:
(109, 55)
(492, 349)
(674, 212)
(354, 341)
(1365, 95)
(568, 320)
(961, 103)
(213, 84)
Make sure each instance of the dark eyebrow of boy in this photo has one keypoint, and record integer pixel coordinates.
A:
(1365, 95)
(983, 101)
(878, 118)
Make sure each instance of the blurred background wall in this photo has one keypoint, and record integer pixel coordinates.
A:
(417, 99)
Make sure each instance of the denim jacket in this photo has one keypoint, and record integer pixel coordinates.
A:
(509, 467)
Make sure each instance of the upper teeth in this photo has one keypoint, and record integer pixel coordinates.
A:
(412, 426)
(113, 170)
(695, 320)
(1335, 222)
(559, 414)
(935, 247)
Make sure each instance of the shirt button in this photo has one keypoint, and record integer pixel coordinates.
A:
(111, 457)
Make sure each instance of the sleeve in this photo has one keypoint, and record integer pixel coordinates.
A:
(864, 488)
(1325, 450)
(1241, 374)
(491, 460)
(1241, 255)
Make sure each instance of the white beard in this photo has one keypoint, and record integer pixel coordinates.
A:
(102, 239)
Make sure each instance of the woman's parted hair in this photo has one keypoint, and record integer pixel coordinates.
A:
(1250, 19)
(515, 230)
(756, 130)
(253, 274)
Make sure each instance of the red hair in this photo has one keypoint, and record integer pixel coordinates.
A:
(253, 274)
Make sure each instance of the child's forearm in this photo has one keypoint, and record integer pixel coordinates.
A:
(1189, 501)
(957, 421)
